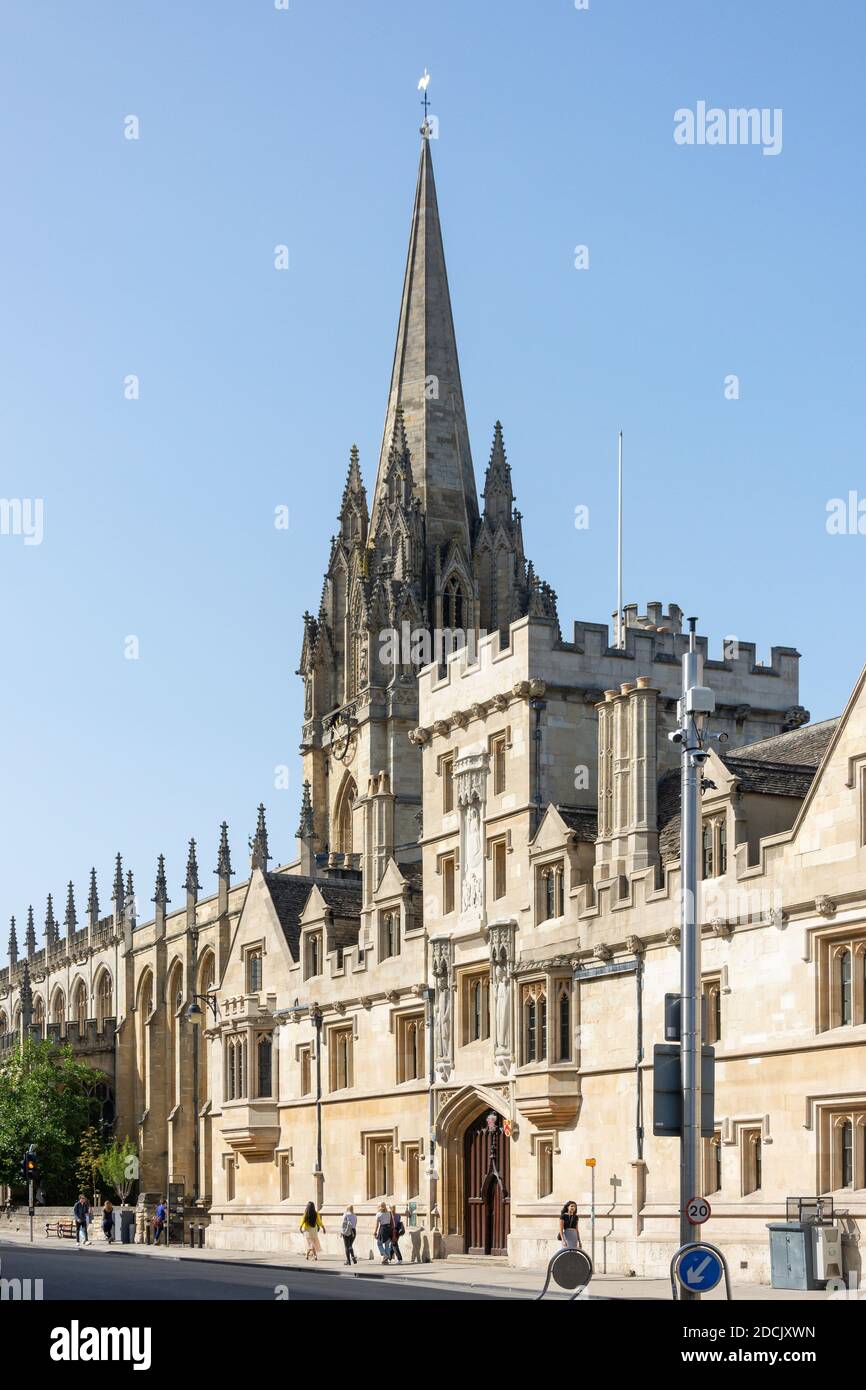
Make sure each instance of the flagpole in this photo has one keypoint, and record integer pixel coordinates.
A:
(619, 622)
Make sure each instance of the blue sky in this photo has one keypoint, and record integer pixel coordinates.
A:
(155, 257)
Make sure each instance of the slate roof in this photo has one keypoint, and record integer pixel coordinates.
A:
(583, 820)
(784, 765)
(289, 894)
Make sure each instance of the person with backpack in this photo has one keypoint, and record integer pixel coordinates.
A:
(382, 1233)
(348, 1230)
(397, 1230)
(81, 1216)
(311, 1225)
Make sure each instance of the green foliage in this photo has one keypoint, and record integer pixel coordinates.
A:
(87, 1165)
(47, 1099)
(118, 1166)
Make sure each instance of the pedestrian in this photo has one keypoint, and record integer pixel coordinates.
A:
(108, 1221)
(568, 1229)
(348, 1230)
(81, 1213)
(311, 1225)
(397, 1230)
(382, 1233)
(159, 1219)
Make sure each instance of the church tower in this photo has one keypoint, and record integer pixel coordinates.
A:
(419, 559)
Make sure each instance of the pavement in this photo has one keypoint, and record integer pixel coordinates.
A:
(456, 1277)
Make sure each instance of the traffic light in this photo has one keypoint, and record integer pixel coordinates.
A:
(30, 1166)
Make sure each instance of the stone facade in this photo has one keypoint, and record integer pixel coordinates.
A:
(449, 998)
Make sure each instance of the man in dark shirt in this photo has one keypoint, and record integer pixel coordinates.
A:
(81, 1212)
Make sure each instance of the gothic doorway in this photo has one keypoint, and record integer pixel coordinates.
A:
(486, 1178)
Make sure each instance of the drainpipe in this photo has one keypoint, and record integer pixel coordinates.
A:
(316, 1016)
(638, 1123)
(537, 705)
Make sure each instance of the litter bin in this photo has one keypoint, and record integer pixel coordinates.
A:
(792, 1251)
(124, 1224)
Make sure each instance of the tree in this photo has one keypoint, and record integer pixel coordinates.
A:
(89, 1155)
(47, 1099)
(118, 1165)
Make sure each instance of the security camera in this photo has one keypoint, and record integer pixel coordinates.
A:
(699, 758)
(723, 738)
(676, 736)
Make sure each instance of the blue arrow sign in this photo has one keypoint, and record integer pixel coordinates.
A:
(699, 1270)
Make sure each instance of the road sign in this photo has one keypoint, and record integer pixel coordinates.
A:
(590, 1163)
(698, 1210)
(699, 1270)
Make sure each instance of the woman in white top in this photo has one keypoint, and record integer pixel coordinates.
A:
(348, 1230)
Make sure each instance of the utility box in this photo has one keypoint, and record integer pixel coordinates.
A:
(791, 1255)
(124, 1225)
(827, 1253)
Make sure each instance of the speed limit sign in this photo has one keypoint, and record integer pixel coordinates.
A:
(698, 1210)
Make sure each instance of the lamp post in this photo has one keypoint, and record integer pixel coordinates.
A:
(194, 1016)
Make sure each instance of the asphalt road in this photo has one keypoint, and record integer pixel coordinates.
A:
(72, 1276)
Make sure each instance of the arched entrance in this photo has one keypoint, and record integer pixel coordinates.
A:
(486, 1186)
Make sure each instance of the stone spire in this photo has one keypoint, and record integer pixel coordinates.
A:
(191, 883)
(93, 901)
(160, 896)
(498, 492)
(117, 891)
(353, 516)
(13, 944)
(70, 918)
(52, 934)
(306, 834)
(259, 843)
(26, 1000)
(30, 934)
(129, 900)
(224, 861)
(425, 380)
(305, 828)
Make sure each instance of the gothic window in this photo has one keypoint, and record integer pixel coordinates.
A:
(410, 1048)
(712, 996)
(714, 847)
(174, 1001)
(842, 993)
(340, 1056)
(4, 1023)
(389, 935)
(497, 756)
(751, 1160)
(447, 863)
(39, 1013)
(343, 816)
(104, 997)
(254, 970)
(563, 1022)
(713, 1164)
(58, 1009)
(707, 847)
(453, 605)
(264, 1064)
(549, 892)
(305, 1058)
(544, 1157)
(534, 1023)
(313, 955)
(206, 981)
(380, 1165)
(79, 1006)
(476, 1006)
(413, 1171)
(236, 1066)
(448, 784)
(285, 1177)
(723, 846)
(499, 850)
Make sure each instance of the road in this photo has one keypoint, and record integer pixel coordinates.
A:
(71, 1275)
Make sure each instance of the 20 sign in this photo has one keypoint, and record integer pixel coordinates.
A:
(698, 1210)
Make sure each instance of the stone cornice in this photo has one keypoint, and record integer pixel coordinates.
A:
(479, 709)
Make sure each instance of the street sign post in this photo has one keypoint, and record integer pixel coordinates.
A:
(590, 1163)
(698, 1210)
(697, 1268)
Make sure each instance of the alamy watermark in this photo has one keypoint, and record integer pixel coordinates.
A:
(419, 646)
(714, 125)
(23, 516)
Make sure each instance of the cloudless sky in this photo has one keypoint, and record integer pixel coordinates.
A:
(155, 257)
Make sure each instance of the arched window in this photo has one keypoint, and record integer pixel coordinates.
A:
(453, 606)
(343, 816)
(847, 1152)
(264, 1055)
(174, 1003)
(143, 1011)
(104, 999)
(58, 1009)
(39, 1013)
(723, 846)
(707, 847)
(564, 1022)
(4, 1023)
(79, 1006)
(206, 982)
(534, 1023)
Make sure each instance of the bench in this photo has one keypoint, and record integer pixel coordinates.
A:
(63, 1229)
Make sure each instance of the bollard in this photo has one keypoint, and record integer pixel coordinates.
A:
(201, 1237)
(191, 1236)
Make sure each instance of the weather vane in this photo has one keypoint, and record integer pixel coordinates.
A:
(423, 84)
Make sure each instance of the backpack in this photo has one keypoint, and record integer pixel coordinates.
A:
(347, 1228)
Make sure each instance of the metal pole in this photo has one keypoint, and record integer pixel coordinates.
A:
(30, 1201)
(619, 541)
(690, 948)
(592, 1216)
(195, 1139)
(316, 1013)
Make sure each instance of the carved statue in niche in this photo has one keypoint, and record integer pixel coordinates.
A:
(471, 894)
(502, 997)
(442, 1008)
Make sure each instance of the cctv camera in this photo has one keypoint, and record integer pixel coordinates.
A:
(676, 736)
(699, 758)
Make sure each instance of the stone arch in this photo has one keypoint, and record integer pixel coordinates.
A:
(39, 1013)
(174, 1001)
(103, 993)
(78, 1012)
(58, 1008)
(343, 808)
(143, 1010)
(4, 1023)
(458, 1113)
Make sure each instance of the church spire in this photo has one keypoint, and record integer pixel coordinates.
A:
(425, 380)
(93, 901)
(13, 944)
(30, 934)
(70, 920)
(259, 843)
(224, 861)
(498, 493)
(51, 932)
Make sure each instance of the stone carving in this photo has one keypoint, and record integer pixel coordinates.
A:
(443, 1032)
(825, 907)
(470, 781)
(719, 927)
(501, 981)
(672, 936)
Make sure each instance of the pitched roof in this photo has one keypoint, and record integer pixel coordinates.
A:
(583, 820)
(289, 894)
(784, 765)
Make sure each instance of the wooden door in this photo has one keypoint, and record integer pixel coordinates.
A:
(485, 1184)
